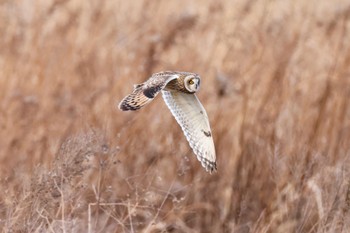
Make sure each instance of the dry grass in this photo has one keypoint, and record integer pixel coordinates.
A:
(276, 86)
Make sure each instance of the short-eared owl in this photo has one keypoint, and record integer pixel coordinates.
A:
(178, 90)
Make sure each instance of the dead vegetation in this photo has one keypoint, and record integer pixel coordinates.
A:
(276, 85)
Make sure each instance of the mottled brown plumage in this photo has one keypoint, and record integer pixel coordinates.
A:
(145, 92)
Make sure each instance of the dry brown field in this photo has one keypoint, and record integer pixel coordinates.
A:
(275, 84)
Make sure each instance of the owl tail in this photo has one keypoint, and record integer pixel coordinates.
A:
(135, 100)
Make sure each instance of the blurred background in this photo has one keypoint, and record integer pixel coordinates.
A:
(275, 84)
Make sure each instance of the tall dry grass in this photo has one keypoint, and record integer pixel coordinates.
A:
(275, 83)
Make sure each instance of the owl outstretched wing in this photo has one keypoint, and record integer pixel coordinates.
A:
(146, 92)
(193, 119)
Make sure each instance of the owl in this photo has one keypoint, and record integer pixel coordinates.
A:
(178, 91)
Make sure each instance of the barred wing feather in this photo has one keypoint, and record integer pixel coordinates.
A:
(192, 117)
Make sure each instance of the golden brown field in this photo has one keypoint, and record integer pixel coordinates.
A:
(275, 84)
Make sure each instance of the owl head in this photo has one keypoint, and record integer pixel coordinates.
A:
(192, 83)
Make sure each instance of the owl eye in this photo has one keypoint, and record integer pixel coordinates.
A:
(191, 82)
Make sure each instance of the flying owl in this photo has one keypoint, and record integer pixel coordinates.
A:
(178, 91)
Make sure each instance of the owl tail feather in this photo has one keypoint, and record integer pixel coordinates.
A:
(135, 100)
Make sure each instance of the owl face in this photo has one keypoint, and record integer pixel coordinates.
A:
(192, 83)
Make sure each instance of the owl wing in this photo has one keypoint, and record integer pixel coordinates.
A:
(192, 117)
(146, 92)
